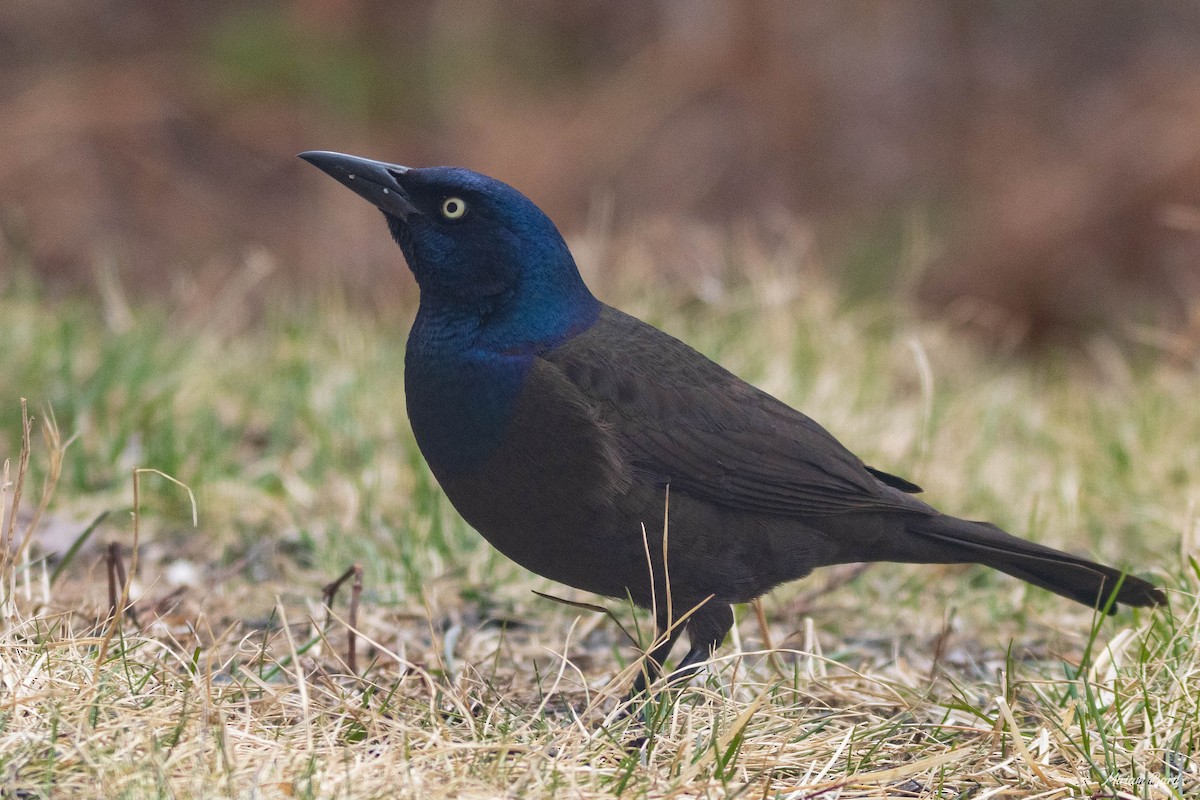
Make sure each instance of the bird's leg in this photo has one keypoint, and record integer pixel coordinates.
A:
(655, 659)
(707, 628)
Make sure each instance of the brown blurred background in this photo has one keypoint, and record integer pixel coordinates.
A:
(1032, 167)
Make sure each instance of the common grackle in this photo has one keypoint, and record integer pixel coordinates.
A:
(558, 427)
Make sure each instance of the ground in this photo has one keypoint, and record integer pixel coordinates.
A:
(228, 677)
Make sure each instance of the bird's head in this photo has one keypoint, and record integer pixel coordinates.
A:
(475, 244)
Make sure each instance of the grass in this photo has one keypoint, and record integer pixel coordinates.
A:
(231, 678)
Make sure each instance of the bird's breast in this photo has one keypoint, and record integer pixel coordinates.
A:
(460, 407)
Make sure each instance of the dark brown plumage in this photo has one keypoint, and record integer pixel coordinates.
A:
(759, 493)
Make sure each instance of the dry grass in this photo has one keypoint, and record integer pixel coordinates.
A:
(229, 678)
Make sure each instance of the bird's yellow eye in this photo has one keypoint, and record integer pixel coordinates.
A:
(453, 208)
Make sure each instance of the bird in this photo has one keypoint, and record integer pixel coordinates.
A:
(602, 453)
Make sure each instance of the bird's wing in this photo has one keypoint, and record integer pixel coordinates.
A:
(895, 481)
(685, 421)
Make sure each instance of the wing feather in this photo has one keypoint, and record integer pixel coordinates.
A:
(684, 420)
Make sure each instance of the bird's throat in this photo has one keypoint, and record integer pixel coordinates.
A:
(459, 393)
(459, 410)
(464, 373)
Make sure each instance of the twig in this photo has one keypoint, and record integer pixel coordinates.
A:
(56, 447)
(133, 562)
(7, 556)
(110, 562)
(939, 646)
(329, 592)
(352, 629)
(768, 645)
(118, 601)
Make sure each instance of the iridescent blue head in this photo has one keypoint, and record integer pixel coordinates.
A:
(498, 287)
(479, 248)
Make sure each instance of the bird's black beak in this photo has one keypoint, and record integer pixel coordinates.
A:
(375, 180)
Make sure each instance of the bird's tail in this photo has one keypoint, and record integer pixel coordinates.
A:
(1076, 578)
